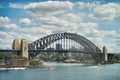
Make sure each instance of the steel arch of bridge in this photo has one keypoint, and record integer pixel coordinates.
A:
(39, 45)
(43, 42)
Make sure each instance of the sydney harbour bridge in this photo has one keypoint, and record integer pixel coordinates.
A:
(62, 43)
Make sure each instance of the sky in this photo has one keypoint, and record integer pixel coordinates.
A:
(97, 20)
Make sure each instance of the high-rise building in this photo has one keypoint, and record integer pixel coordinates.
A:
(16, 45)
(58, 46)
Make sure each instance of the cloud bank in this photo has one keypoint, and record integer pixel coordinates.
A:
(64, 16)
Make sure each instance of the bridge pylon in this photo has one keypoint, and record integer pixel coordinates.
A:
(24, 48)
(105, 54)
(16, 45)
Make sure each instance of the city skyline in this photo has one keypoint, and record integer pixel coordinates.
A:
(96, 20)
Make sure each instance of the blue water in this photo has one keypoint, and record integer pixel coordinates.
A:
(64, 71)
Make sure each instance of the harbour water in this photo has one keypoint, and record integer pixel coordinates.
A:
(63, 71)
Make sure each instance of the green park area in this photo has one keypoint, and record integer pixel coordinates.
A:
(13, 60)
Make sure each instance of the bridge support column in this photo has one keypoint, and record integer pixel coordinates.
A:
(24, 48)
(16, 45)
(105, 54)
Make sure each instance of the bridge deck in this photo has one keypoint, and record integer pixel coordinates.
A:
(10, 51)
(78, 51)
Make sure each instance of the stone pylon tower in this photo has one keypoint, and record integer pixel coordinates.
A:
(24, 48)
(105, 54)
(16, 45)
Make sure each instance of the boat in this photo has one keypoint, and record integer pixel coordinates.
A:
(70, 61)
(51, 68)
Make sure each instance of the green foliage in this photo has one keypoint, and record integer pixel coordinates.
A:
(116, 59)
(56, 57)
(36, 63)
(7, 56)
(19, 57)
(2, 56)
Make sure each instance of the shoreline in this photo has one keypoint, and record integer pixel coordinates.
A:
(43, 66)
(20, 68)
(12, 68)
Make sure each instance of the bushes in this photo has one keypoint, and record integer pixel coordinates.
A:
(15, 58)
(36, 63)
(2, 56)
(5, 56)
(116, 58)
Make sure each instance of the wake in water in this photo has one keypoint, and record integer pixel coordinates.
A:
(55, 64)
(61, 64)
(92, 67)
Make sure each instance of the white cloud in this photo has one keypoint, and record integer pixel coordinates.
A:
(3, 34)
(15, 5)
(101, 34)
(25, 21)
(37, 30)
(73, 17)
(53, 21)
(4, 20)
(103, 38)
(5, 40)
(88, 26)
(5, 23)
(106, 12)
(89, 6)
(57, 17)
(11, 26)
(48, 7)
(64, 21)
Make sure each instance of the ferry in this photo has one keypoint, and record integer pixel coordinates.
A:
(70, 61)
(51, 68)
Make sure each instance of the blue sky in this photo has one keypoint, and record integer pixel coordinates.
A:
(97, 20)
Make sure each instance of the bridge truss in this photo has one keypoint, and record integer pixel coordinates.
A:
(42, 43)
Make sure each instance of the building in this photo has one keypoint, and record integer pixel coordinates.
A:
(58, 46)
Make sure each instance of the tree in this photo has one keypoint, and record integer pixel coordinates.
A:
(36, 63)
(116, 58)
(2, 56)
